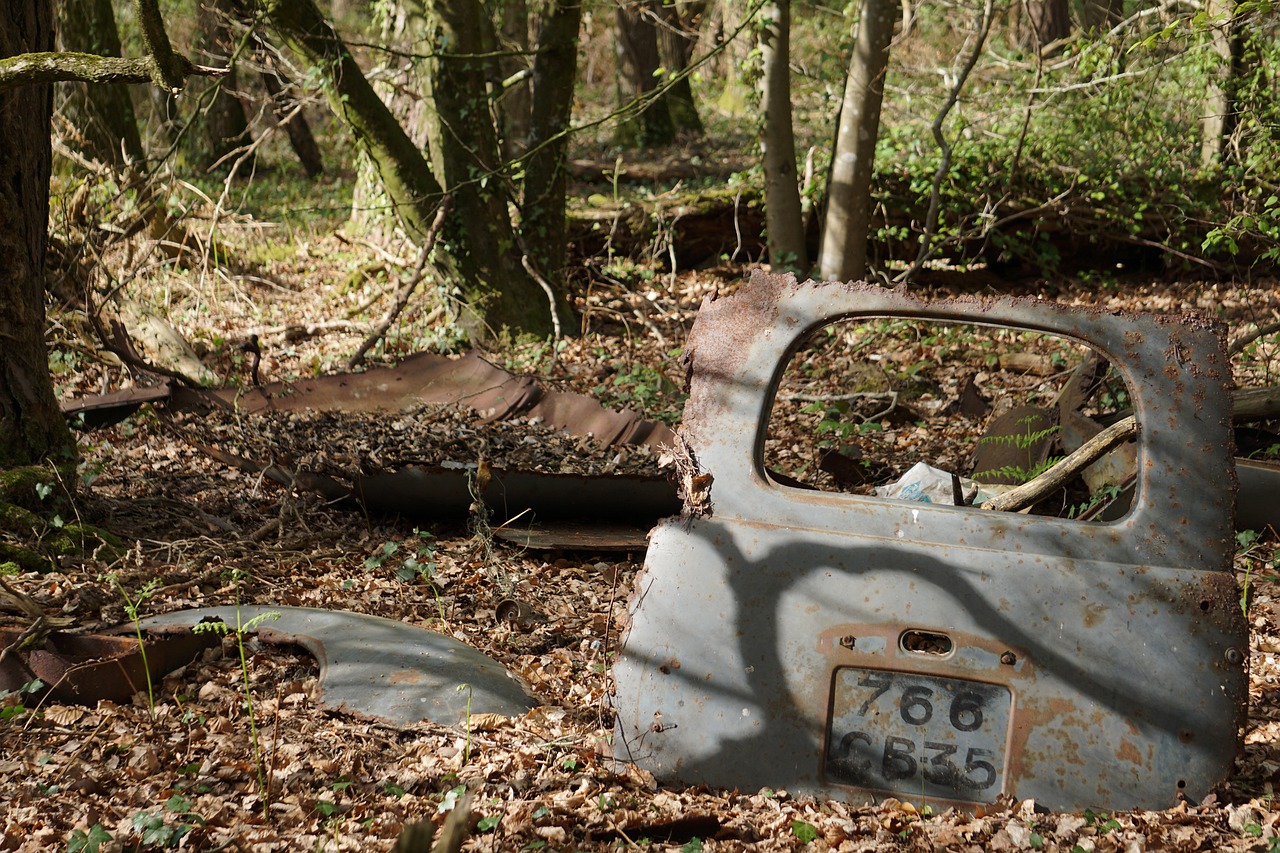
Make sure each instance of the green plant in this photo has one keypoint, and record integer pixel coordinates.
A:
(1246, 542)
(1026, 441)
(241, 628)
(1101, 496)
(131, 605)
(152, 828)
(88, 842)
(804, 831)
(16, 708)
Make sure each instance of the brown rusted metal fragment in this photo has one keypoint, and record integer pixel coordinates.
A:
(86, 668)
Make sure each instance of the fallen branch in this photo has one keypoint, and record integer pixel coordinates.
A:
(1260, 332)
(1253, 404)
(405, 292)
(1033, 491)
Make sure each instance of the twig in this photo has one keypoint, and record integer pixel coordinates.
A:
(935, 192)
(405, 292)
(1238, 346)
(1050, 481)
(551, 299)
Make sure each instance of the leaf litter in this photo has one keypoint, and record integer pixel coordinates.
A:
(182, 772)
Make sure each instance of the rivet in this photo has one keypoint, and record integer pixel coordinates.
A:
(1008, 658)
(1233, 656)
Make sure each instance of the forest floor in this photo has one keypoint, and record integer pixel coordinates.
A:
(181, 769)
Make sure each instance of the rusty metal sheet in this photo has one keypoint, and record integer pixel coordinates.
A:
(86, 668)
(845, 646)
(381, 667)
(570, 536)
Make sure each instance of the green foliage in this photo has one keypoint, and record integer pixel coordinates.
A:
(88, 842)
(804, 831)
(12, 710)
(1026, 441)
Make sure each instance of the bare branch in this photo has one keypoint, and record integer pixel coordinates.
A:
(27, 68)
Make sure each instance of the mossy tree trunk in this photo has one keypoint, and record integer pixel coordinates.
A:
(481, 253)
(676, 39)
(648, 123)
(104, 119)
(555, 69)
(221, 125)
(32, 429)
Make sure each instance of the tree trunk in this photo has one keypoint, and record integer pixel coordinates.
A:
(785, 226)
(222, 119)
(105, 120)
(482, 249)
(554, 72)
(284, 105)
(1218, 122)
(844, 236)
(648, 122)
(725, 22)
(675, 45)
(32, 428)
(1046, 21)
(516, 101)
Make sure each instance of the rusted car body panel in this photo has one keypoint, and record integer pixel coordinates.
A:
(1093, 665)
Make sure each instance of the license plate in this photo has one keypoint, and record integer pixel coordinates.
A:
(919, 736)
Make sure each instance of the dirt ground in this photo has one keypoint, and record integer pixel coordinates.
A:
(181, 769)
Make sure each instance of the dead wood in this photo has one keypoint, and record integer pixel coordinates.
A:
(1253, 404)
(1033, 491)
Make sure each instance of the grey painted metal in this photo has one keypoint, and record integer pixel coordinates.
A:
(380, 667)
(1121, 645)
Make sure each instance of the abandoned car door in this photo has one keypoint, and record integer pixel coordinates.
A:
(855, 647)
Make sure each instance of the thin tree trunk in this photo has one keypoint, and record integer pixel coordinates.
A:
(784, 227)
(32, 428)
(844, 236)
(675, 47)
(223, 122)
(105, 119)
(285, 108)
(1219, 103)
(650, 124)
(554, 72)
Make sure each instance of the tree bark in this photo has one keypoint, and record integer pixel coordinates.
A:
(647, 123)
(1046, 21)
(844, 237)
(555, 69)
(222, 124)
(1218, 121)
(516, 101)
(482, 255)
(784, 224)
(675, 46)
(105, 119)
(32, 428)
